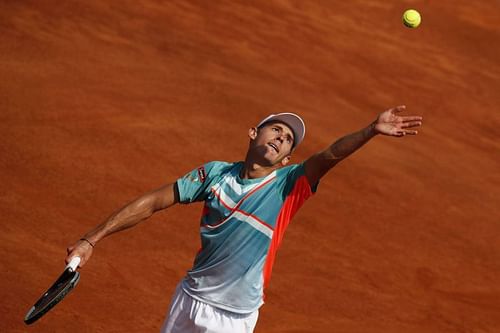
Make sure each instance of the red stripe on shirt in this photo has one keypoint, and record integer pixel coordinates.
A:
(235, 208)
(221, 201)
(299, 194)
(255, 218)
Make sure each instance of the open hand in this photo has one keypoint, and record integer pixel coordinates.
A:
(389, 123)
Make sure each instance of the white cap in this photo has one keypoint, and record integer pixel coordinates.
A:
(293, 121)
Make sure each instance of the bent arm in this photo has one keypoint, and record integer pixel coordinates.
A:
(126, 217)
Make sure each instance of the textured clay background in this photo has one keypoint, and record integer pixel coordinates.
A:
(101, 101)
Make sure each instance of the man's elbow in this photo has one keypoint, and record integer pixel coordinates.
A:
(165, 197)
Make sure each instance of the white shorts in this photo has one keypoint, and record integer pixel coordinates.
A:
(188, 315)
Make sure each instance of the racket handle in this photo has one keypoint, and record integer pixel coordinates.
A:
(73, 264)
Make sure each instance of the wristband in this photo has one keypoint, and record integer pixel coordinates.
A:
(85, 239)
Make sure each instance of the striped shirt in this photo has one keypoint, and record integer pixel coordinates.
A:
(242, 225)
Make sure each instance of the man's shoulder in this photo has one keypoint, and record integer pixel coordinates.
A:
(281, 172)
(219, 164)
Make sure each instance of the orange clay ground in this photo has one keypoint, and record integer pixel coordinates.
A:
(101, 101)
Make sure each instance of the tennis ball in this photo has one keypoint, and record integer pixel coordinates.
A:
(411, 18)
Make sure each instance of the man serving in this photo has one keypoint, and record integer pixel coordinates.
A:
(247, 208)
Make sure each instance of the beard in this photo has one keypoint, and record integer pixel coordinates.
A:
(266, 156)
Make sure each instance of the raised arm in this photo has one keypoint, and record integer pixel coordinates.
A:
(128, 216)
(387, 123)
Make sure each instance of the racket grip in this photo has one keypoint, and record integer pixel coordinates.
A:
(73, 264)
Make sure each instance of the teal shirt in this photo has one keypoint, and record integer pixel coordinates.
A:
(242, 224)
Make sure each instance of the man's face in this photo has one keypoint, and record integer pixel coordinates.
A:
(273, 142)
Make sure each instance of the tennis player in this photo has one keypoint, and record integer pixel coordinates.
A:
(247, 207)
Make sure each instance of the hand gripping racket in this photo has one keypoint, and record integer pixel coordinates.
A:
(63, 285)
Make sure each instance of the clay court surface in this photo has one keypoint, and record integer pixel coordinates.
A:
(103, 101)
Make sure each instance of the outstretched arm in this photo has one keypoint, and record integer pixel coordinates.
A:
(128, 216)
(387, 123)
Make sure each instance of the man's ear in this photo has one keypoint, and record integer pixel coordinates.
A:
(252, 133)
(285, 160)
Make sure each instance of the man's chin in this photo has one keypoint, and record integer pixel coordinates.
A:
(273, 161)
(269, 158)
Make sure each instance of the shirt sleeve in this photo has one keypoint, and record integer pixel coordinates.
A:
(195, 185)
(293, 177)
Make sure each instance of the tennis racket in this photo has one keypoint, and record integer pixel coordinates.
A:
(63, 285)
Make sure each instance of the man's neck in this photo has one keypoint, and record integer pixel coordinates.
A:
(252, 170)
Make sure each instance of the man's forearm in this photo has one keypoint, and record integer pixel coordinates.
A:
(122, 219)
(135, 212)
(348, 144)
(387, 123)
(131, 214)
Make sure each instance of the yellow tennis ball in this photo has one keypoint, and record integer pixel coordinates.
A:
(411, 18)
